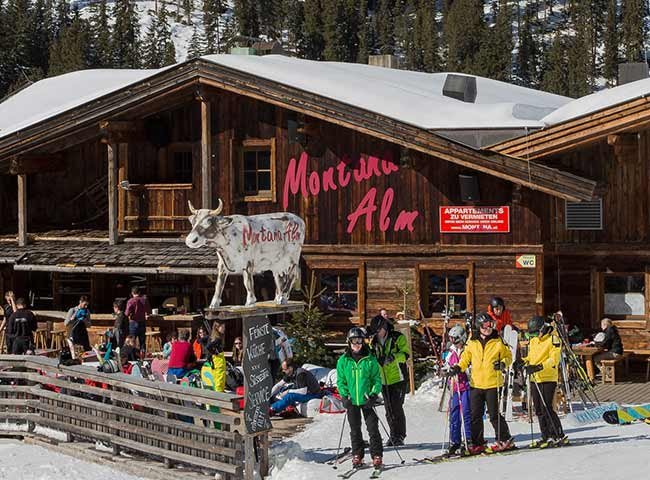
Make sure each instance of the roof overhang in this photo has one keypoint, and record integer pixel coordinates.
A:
(204, 72)
(579, 132)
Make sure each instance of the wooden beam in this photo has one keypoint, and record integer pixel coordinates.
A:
(206, 154)
(22, 210)
(111, 154)
(34, 164)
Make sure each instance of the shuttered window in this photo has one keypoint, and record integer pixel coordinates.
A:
(584, 215)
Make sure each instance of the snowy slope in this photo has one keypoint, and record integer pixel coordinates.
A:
(621, 452)
(29, 462)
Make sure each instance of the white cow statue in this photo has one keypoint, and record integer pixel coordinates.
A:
(248, 245)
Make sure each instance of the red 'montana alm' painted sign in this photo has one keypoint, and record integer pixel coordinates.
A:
(474, 219)
(339, 177)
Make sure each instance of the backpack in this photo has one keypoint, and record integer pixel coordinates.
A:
(234, 377)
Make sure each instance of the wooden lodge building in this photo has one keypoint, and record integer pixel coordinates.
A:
(392, 171)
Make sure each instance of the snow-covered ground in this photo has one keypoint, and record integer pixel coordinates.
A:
(621, 452)
(20, 461)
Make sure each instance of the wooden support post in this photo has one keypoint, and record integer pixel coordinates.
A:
(112, 193)
(22, 209)
(206, 154)
(264, 454)
(249, 457)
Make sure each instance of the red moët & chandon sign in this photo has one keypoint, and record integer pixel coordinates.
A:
(474, 219)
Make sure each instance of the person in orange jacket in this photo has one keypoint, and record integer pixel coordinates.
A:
(501, 316)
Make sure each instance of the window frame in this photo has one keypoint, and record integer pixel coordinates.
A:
(422, 286)
(257, 145)
(338, 272)
(601, 299)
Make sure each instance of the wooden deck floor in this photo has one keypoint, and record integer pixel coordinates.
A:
(632, 391)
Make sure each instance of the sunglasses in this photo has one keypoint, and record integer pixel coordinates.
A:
(356, 341)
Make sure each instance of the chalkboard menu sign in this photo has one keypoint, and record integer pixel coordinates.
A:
(258, 342)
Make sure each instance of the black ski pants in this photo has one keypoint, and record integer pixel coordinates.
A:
(394, 404)
(372, 425)
(549, 422)
(479, 398)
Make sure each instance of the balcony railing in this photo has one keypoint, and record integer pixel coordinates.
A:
(157, 207)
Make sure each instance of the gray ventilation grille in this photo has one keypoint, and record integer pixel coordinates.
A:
(584, 215)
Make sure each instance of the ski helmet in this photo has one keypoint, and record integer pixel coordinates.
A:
(457, 334)
(536, 324)
(356, 332)
(497, 302)
(378, 322)
(482, 318)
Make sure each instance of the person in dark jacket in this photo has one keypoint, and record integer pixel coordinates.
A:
(78, 320)
(302, 384)
(20, 329)
(612, 344)
(121, 324)
(391, 349)
(7, 309)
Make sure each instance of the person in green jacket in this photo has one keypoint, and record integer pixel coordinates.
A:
(359, 384)
(391, 349)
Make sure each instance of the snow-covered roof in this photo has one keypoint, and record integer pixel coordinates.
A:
(53, 96)
(599, 101)
(411, 97)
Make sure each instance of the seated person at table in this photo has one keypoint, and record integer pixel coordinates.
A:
(612, 343)
(181, 357)
(199, 346)
(129, 352)
(167, 347)
(300, 387)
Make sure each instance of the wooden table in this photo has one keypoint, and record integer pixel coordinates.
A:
(587, 353)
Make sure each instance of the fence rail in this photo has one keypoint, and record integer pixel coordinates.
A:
(194, 427)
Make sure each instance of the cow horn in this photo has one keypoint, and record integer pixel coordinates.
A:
(217, 210)
(192, 209)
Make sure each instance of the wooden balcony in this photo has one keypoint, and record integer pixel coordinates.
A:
(156, 207)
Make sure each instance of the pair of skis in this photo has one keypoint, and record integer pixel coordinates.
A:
(376, 472)
(511, 338)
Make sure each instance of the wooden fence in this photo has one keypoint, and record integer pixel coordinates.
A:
(176, 424)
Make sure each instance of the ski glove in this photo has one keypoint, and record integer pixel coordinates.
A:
(530, 369)
(373, 401)
(518, 364)
(497, 365)
(347, 402)
(452, 372)
(387, 360)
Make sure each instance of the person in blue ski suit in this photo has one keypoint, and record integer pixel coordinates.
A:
(459, 388)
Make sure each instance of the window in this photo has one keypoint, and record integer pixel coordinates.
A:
(444, 292)
(624, 295)
(257, 166)
(182, 167)
(340, 294)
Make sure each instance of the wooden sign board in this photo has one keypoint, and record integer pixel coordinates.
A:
(258, 382)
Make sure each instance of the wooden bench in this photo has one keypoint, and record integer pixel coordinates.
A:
(608, 367)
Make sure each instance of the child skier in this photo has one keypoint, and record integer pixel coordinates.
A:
(541, 365)
(488, 356)
(459, 413)
(359, 384)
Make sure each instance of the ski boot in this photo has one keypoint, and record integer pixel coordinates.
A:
(377, 462)
(357, 461)
(548, 443)
(476, 449)
(454, 449)
(500, 446)
(537, 443)
(562, 442)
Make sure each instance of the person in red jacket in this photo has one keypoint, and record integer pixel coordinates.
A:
(501, 316)
(182, 356)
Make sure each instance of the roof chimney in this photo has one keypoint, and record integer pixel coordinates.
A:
(631, 72)
(460, 87)
(387, 61)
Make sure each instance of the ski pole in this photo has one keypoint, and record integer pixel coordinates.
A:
(528, 401)
(336, 458)
(444, 438)
(462, 414)
(499, 408)
(386, 432)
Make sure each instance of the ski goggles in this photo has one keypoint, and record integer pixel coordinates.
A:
(487, 324)
(356, 341)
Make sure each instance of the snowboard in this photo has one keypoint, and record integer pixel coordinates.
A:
(627, 415)
(511, 337)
